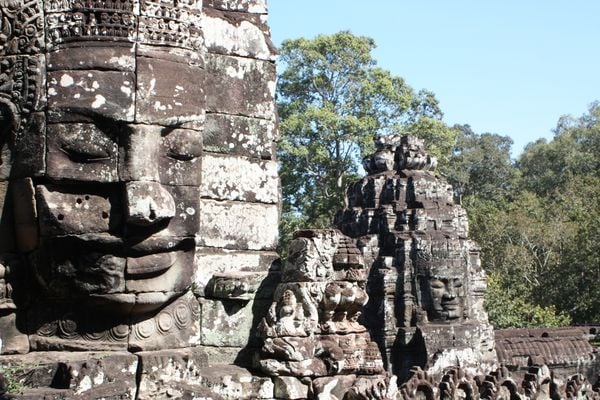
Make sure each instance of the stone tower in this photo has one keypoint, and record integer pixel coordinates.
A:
(426, 283)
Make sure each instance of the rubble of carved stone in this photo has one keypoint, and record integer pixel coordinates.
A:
(537, 383)
(312, 335)
(426, 282)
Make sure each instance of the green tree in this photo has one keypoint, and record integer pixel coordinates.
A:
(574, 151)
(481, 165)
(565, 173)
(332, 101)
(541, 239)
(508, 308)
(522, 237)
(520, 246)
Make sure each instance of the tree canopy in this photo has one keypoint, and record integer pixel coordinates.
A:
(537, 221)
(332, 100)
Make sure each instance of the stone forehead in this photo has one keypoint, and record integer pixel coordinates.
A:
(450, 266)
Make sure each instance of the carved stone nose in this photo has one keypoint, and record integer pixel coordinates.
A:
(148, 203)
(450, 292)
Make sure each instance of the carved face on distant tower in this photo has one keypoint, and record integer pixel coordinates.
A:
(446, 298)
(109, 118)
(442, 284)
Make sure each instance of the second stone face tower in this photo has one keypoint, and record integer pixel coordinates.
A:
(426, 283)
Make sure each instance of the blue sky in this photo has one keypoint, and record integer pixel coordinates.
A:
(507, 67)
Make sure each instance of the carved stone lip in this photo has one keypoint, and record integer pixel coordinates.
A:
(158, 244)
(135, 247)
(450, 305)
(149, 265)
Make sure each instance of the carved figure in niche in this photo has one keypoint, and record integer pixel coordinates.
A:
(342, 305)
(312, 329)
(106, 147)
(6, 302)
(286, 313)
(309, 260)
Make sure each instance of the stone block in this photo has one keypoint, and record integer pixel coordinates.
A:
(211, 261)
(290, 388)
(169, 93)
(72, 326)
(26, 228)
(238, 34)
(230, 322)
(240, 86)
(5, 162)
(238, 225)
(238, 135)
(235, 285)
(79, 374)
(12, 341)
(170, 29)
(72, 94)
(29, 153)
(115, 57)
(62, 213)
(182, 208)
(224, 355)
(175, 279)
(237, 178)
(161, 370)
(249, 6)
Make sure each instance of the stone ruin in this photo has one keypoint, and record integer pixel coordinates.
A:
(425, 279)
(139, 205)
(313, 340)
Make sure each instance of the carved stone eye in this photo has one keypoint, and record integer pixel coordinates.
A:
(86, 151)
(86, 144)
(437, 284)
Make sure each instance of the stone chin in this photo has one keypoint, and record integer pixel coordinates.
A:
(453, 311)
(450, 311)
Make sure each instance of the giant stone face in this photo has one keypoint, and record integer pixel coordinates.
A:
(104, 112)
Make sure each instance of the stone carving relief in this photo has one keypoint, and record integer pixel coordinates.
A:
(171, 23)
(312, 329)
(6, 289)
(22, 27)
(105, 195)
(425, 279)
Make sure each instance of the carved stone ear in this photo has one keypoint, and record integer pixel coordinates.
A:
(10, 119)
(26, 224)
